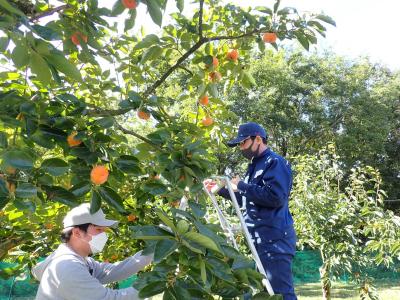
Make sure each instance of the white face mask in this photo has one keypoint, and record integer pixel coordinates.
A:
(98, 242)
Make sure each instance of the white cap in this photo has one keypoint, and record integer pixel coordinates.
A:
(81, 215)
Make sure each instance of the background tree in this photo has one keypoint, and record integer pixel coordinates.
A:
(345, 221)
(306, 102)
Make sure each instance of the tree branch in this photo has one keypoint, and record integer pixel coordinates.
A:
(201, 19)
(162, 79)
(130, 132)
(234, 37)
(48, 12)
(100, 112)
(156, 84)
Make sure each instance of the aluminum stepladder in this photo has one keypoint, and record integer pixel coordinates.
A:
(225, 181)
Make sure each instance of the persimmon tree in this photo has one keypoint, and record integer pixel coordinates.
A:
(344, 219)
(120, 119)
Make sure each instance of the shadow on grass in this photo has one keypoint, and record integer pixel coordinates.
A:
(340, 290)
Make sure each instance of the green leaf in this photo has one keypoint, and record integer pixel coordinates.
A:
(112, 198)
(154, 188)
(150, 232)
(39, 138)
(64, 65)
(208, 59)
(7, 6)
(128, 164)
(164, 218)
(57, 193)
(130, 22)
(25, 204)
(26, 190)
(4, 193)
(152, 54)
(303, 40)
(182, 293)
(55, 166)
(46, 32)
(155, 11)
(241, 262)
(180, 5)
(169, 295)
(3, 188)
(42, 47)
(3, 199)
(276, 5)
(95, 202)
(163, 249)
(117, 8)
(81, 189)
(3, 140)
(203, 272)
(264, 9)
(148, 40)
(198, 210)
(20, 55)
(45, 179)
(40, 68)
(202, 240)
(326, 19)
(18, 159)
(213, 90)
(4, 41)
(193, 247)
(152, 289)
(104, 123)
(248, 80)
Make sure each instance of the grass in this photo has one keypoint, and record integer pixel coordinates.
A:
(312, 291)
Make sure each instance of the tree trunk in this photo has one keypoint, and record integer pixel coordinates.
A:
(326, 281)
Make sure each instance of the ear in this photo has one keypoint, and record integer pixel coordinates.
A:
(76, 232)
(258, 139)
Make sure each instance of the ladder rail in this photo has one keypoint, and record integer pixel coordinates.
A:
(224, 223)
(249, 240)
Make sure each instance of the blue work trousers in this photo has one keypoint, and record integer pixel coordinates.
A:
(278, 267)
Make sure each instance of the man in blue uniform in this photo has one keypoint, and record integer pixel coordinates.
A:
(264, 193)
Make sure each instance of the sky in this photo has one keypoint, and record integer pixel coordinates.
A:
(363, 27)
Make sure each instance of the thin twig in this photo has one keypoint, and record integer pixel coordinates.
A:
(48, 12)
(186, 69)
(201, 19)
(127, 131)
(234, 37)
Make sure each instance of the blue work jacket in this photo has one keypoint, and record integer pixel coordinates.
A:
(264, 196)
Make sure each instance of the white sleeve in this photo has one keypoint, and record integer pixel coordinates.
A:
(76, 283)
(106, 272)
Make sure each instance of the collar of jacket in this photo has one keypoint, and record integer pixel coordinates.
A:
(266, 152)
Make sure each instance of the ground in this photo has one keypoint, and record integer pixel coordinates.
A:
(311, 291)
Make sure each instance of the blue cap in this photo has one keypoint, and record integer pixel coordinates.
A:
(246, 130)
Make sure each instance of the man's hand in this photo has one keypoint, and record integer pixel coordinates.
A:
(234, 182)
(209, 184)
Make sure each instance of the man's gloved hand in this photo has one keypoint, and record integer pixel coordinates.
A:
(209, 184)
(234, 182)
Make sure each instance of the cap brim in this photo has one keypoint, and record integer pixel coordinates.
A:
(107, 223)
(236, 141)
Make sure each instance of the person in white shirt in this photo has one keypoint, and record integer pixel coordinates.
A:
(69, 273)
